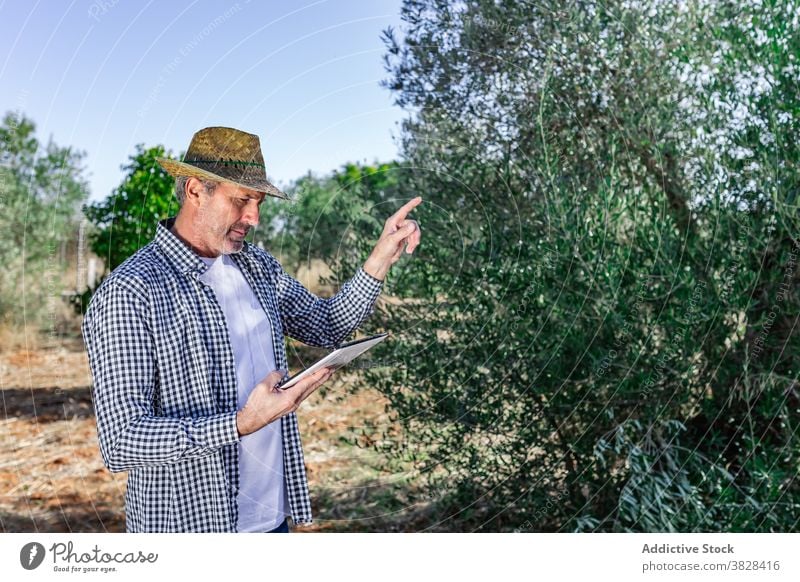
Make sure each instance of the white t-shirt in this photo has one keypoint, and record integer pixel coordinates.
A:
(262, 491)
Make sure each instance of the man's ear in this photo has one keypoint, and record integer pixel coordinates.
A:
(194, 189)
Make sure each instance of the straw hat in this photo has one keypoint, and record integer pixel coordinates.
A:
(224, 154)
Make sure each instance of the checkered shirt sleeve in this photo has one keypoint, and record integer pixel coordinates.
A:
(121, 357)
(320, 322)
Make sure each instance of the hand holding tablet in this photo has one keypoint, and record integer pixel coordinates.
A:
(265, 404)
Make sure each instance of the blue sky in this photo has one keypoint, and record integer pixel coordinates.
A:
(104, 75)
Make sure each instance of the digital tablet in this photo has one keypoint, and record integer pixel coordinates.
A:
(337, 358)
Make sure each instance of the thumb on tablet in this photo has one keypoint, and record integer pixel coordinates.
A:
(274, 377)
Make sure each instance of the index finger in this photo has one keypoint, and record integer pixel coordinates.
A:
(406, 208)
(318, 374)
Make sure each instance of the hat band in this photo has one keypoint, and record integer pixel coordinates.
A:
(225, 163)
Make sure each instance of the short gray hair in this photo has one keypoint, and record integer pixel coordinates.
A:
(180, 187)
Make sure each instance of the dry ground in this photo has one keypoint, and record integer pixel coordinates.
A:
(52, 478)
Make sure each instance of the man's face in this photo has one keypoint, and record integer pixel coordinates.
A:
(224, 217)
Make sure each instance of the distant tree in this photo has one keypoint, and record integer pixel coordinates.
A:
(326, 213)
(41, 191)
(126, 220)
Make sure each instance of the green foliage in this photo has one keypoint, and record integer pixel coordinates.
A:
(126, 220)
(327, 213)
(602, 325)
(41, 190)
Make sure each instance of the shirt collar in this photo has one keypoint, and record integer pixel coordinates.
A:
(184, 258)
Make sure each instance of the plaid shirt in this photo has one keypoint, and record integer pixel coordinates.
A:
(164, 380)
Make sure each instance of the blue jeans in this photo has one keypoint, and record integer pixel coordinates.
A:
(282, 528)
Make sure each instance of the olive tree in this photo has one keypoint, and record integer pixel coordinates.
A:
(599, 331)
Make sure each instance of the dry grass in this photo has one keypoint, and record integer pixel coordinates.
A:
(53, 480)
(310, 274)
(15, 337)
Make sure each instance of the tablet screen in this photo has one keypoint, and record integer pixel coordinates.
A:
(338, 358)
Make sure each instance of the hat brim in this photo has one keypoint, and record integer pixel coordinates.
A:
(177, 169)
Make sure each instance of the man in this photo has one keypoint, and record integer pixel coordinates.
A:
(185, 344)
